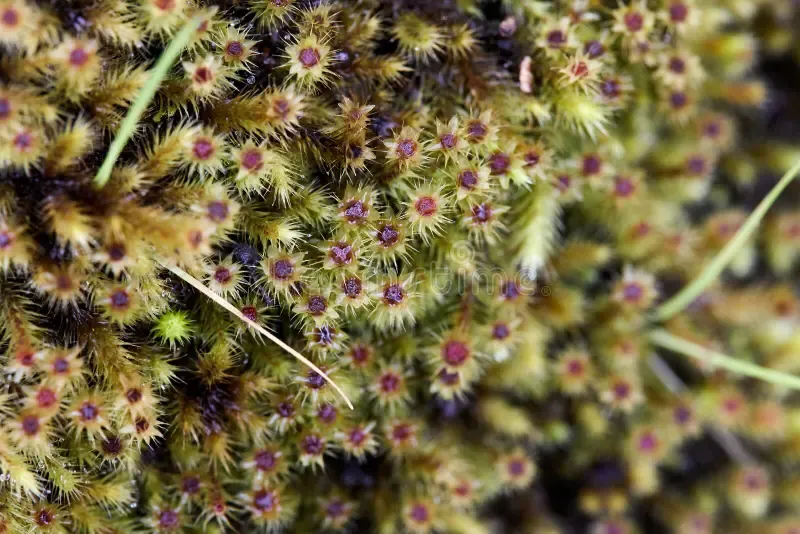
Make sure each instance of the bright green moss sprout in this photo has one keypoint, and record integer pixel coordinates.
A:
(174, 328)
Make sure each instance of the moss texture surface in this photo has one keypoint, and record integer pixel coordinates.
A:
(463, 212)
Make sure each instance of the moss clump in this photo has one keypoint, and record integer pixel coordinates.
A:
(463, 213)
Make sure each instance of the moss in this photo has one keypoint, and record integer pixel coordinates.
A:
(465, 214)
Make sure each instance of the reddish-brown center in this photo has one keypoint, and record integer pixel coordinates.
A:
(402, 432)
(677, 65)
(44, 517)
(309, 57)
(575, 367)
(499, 163)
(234, 48)
(78, 57)
(203, 149)
(352, 287)
(134, 395)
(341, 253)
(282, 107)
(622, 391)
(634, 21)
(467, 179)
(252, 160)
(360, 354)
(580, 69)
(115, 251)
(426, 206)
(448, 141)
(142, 425)
(46, 397)
(222, 275)
(390, 382)
(455, 353)
(203, 75)
(10, 17)
(317, 305)
(406, 148)
(112, 446)
(165, 5)
(393, 294)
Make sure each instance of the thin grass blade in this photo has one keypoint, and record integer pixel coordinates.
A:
(683, 298)
(664, 339)
(157, 75)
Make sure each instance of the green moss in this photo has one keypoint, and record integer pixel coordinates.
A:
(219, 219)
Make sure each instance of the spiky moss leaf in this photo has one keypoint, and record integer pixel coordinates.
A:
(535, 229)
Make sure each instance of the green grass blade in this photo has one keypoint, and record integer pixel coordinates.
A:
(664, 339)
(157, 75)
(684, 297)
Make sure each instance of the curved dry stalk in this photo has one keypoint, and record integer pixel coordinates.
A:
(195, 283)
